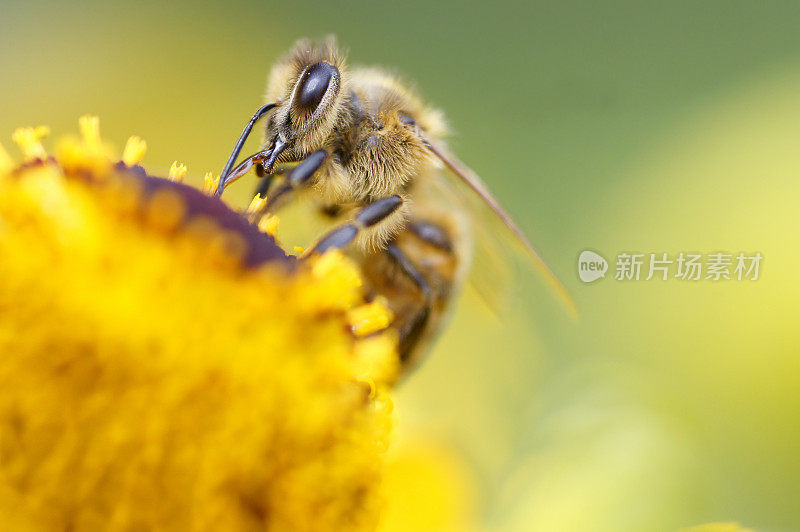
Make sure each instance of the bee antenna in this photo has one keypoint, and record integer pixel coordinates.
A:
(240, 143)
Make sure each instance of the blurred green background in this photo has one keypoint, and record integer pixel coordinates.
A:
(659, 127)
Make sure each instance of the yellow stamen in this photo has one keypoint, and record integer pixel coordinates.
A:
(369, 318)
(28, 139)
(134, 151)
(210, 183)
(268, 224)
(177, 172)
(76, 156)
(298, 250)
(90, 130)
(88, 154)
(373, 366)
(326, 262)
(256, 204)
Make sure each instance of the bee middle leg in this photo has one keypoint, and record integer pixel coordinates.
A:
(369, 216)
(297, 177)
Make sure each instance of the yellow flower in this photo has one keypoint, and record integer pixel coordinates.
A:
(429, 489)
(369, 318)
(29, 141)
(166, 365)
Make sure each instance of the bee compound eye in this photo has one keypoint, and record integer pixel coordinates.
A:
(314, 84)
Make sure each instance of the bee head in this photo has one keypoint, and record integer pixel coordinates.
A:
(308, 85)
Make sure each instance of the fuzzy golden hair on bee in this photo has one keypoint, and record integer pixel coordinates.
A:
(380, 148)
(395, 92)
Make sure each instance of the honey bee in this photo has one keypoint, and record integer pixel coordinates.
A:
(372, 154)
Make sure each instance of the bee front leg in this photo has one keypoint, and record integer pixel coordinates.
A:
(369, 216)
(298, 177)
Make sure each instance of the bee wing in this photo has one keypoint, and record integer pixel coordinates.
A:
(494, 232)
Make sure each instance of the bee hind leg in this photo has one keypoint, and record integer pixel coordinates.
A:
(411, 331)
(412, 328)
